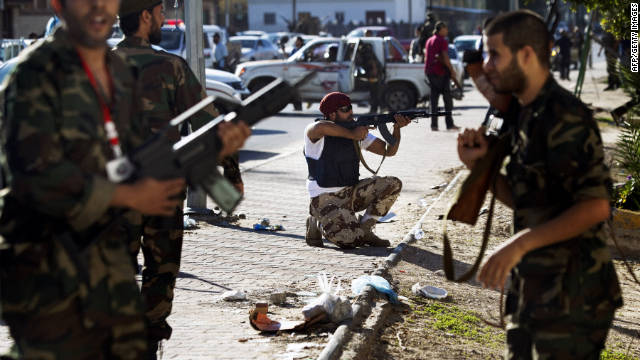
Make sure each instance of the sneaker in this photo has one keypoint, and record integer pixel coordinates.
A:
(453, 127)
(313, 236)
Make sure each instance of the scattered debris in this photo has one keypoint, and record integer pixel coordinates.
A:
(440, 272)
(336, 308)
(278, 298)
(483, 211)
(424, 203)
(437, 187)
(387, 218)
(234, 295)
(418, 234)
(260, 321)
(377, 282)
(265, 225)
(429, 291)
(188, 223)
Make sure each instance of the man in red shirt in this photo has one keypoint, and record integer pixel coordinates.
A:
(438, 69)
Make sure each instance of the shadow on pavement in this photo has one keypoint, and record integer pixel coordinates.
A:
(470, 107)
(433, 262)
(183, 275)
(246, 155)
(267, 132)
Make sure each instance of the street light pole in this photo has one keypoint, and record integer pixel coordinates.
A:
(293, 16)
(196, 199)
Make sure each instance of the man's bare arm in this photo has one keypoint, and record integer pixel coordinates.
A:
(328, 128)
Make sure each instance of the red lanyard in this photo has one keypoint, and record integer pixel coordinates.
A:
(109, 126)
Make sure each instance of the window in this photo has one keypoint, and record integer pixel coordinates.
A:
(269, 18)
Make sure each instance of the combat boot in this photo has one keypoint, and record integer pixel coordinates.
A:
(373, 240)
(313, 236)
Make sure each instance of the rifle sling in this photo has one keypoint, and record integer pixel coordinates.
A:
(359, 151)
(447, 255)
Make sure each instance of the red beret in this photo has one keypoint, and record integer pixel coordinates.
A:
(332, 101)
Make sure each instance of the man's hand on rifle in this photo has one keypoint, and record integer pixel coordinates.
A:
(149, 196)
(359, 133)
(233, 136)
(472, 145)
(401, 121)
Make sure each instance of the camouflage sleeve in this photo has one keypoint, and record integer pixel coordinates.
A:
(231, 166)
(43, 176)
(189, 92)
(576, 157)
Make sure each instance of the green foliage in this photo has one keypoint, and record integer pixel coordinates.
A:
(615, 15)
(463, 323)
(607, 354)
(627, 154)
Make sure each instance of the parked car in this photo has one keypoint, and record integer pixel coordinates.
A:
(404, 86)
(258, 33)
(229, 79)
(255, 48)
(377, 31)
(220, 89)
(174, 41)
(458, 66)
(467, 42)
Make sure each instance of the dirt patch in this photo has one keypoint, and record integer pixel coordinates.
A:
(454, 328)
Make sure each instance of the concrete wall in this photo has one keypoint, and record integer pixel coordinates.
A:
(325, 10)
(25, 24)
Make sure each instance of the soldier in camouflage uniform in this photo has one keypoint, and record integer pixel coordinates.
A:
(564, 289)
(334, 186)
(67, 285)
(169, 88)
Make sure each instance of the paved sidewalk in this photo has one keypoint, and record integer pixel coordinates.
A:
(219, 258)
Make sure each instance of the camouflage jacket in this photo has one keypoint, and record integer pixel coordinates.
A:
(169, 87)
(557, 160)
(54, 138)
(67, 242)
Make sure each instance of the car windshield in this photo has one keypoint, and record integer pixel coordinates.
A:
(462, 45)
(170, 39)
(246, 43)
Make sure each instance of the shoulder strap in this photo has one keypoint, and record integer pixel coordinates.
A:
(359, 152)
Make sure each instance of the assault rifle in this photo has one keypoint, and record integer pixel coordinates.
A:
(194, 157)
(380, 121)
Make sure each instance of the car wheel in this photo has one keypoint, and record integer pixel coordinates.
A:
(399, 97)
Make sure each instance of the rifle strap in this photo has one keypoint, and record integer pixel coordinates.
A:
(624, 257)
(359, 151)
(447, 255)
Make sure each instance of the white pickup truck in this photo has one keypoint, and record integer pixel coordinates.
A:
(404, 86)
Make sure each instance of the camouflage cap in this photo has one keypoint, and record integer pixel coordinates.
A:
(129, 7)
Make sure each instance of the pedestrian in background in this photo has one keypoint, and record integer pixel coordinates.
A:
(297, 45)
(564, 43)
(564, 289)
(438, 69)
(219, 53)
(415, 54)
(373, 77)
(67, 283)
(169, 88)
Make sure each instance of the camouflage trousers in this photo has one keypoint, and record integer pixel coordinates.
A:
(336, 211)
(62, 304)
(564, 338)
(161, 245)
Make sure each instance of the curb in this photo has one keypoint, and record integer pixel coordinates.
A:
(363, 305)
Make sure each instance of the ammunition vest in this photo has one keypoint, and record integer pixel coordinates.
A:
(337, 166)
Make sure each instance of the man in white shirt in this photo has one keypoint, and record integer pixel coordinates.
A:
(219, 53)
(334, 186)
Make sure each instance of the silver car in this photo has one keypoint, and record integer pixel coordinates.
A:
(255, 48)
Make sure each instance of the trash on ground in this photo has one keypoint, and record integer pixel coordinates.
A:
(234, 295)
(418, 234)
(260, 321)
(424, 203)
(278, 298)
(377, 282)
(429, 291)
(188, 223)
(440, 272)
(483, 211)
(335, 308)
(265, 225)
(387, 218)
(440, 186)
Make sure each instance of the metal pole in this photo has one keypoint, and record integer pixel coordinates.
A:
(227, 19)
(294, 18)
(410, 20)
(196, 199)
